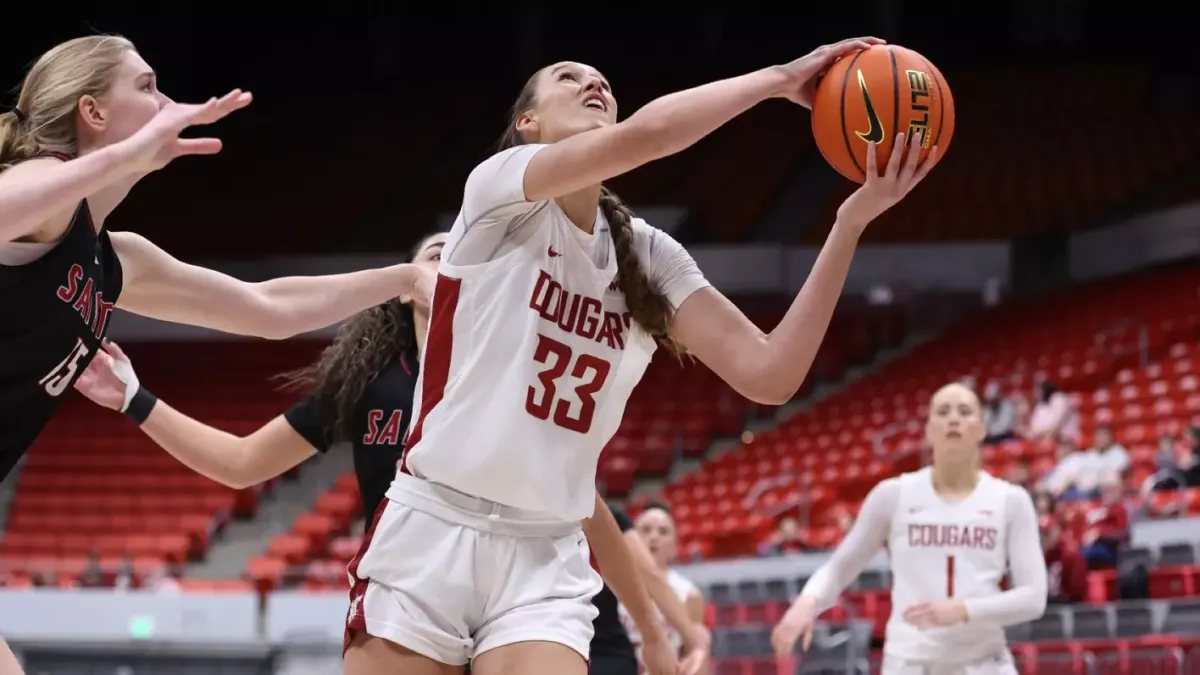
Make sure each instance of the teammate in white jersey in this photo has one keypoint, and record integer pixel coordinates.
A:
(656, 528)
(550, 299)
(952, 532)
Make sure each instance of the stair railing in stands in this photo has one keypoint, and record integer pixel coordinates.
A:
(1108, 340)
(800, 499)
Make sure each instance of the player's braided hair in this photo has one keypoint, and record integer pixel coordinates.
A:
(364, 345)
(647, 303)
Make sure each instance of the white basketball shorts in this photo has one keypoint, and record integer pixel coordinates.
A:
(451, 576)
(1000, 663)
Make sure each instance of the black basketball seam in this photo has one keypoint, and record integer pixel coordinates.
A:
(845, 131)
(895, 95)
(937, 82)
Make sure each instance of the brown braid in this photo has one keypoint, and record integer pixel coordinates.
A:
(647, 304)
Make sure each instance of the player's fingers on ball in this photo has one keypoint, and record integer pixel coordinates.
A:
(893, 167)
(872, 167)
(912, 159)
(926, 165)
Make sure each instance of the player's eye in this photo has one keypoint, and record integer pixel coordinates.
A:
(566, 76)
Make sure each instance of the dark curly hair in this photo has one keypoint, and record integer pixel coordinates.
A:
(362, 348)
(647, 304)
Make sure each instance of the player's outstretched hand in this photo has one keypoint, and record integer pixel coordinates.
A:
(936, 613)
(659, 658)
(420, 295)
(157, 143)
(881, 192)
(100, 382)
(804, 72)
(797, 624)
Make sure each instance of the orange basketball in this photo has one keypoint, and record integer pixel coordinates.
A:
(869, 96)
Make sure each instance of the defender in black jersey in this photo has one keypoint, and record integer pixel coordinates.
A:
(612, 652)
(62, 273)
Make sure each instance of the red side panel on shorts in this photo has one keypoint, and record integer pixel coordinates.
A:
(438, 347)
(356, 617)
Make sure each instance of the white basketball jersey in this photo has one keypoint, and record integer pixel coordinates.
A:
(940, 551)
(683, 588)
(530, 359)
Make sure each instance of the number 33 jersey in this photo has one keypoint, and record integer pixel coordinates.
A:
(532, 353)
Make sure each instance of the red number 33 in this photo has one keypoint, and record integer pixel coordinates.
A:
(590, 371)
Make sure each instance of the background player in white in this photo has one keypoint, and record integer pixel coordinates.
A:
(952, 531)
(549, 301)
(656, 527)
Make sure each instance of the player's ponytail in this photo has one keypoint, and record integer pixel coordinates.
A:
(647, 304)
(10, 140)
(50, 94)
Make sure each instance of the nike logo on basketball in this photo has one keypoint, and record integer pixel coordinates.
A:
(552, 253)
(874, 132)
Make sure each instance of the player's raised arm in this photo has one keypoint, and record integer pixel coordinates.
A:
(235, 461)
(570, 161)
(39, 196)
(1026, 599)
(159, 286)
(866, 538)
(769, 367)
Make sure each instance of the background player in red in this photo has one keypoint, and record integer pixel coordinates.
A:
(952, 532)
(549, 302)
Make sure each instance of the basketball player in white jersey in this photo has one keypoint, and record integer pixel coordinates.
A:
(656, 527)
(549, 303)
(952, 532)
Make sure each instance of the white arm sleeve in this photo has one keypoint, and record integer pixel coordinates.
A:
(1025, 600)
(668, 264)
(867, 536)
(492, 207)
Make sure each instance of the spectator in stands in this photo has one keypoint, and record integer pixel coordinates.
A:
(93, 574)
(1044, 503)
(1107, 527)
(1167, 456)
(999, 414)
(1066, 568)
(160, 580)
(785, 539)
(1054, 416)
(1019, 474)
(125, 578)
(1110, 457)
(43, 579)
(1061, 481)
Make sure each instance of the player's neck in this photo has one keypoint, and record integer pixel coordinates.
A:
(955, 480)
(580, 207)
(107, 200)
(421, 328)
